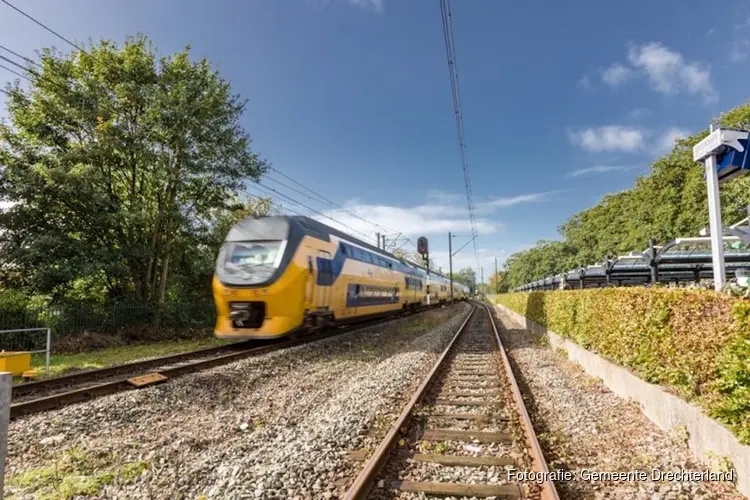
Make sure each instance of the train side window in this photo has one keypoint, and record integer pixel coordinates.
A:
(343, 249)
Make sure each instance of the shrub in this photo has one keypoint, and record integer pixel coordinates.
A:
(695, 343)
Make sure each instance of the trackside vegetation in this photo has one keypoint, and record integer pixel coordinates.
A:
(668, 202)
(694, 343)
(121, 171)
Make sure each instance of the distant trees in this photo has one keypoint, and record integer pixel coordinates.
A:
(465, 276)
(125, 171)
(497, 283)
(669, 202)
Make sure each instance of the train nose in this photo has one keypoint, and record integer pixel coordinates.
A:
(247, 314)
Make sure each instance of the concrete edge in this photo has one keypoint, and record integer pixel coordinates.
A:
(707, 438)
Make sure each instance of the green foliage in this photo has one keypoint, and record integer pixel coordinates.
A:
(465, 276)
(497, 283)
(75, 473)
(669, 202)
(120, 165)
(694, 342)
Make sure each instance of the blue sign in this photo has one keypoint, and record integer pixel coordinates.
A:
(733, 163)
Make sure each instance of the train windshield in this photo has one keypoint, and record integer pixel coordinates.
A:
(250, 262)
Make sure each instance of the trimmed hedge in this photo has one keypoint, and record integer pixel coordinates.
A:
(695, 343)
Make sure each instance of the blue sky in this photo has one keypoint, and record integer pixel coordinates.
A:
(562, 104)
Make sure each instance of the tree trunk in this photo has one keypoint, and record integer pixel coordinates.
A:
(164, 273)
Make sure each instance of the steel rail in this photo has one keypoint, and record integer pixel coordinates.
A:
(539, 464)
(364, 481)
(59, 400)
(83, 376)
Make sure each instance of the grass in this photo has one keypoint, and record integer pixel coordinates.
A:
(60, 364)
(74, 473)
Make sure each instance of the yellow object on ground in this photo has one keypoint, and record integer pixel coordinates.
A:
(29, 374)
(15, 362)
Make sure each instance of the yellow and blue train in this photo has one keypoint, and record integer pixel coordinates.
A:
(284, 274)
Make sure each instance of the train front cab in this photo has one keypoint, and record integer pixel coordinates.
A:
(258, 284)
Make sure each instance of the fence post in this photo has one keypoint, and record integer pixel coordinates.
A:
(49, 348)
(6, 386)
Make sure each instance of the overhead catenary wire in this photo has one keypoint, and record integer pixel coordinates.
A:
(267, 188)
(2, 66)
(32, 18)
(20, 56)
(314, 210)
(326, 200)
(81, 49)
(450, 49)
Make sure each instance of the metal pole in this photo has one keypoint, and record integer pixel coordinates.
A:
(378, 235)
(714, 219)
(450, 261)
(652, 262)
(481, 283)
(6, 387)
(49, 348)
(497, 281)
(383, 242)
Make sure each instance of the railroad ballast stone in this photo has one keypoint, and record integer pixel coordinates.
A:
(582, 425)
(277, 426)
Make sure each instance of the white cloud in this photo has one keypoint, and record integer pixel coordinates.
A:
(609, 138)
(509, 201)
(600, 169)
(669, 73)
(621, 138)
(466, 258)
(616, 74)
(665, 142)
(585, 83)
(427, 219)
(374, 5)
(441, 213)
(368, 4)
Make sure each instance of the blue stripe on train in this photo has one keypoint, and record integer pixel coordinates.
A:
(327, 278)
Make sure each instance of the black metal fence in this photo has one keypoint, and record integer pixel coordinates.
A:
(70, 319)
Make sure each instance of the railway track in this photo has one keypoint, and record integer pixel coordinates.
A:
(53, 393)
(463, 430)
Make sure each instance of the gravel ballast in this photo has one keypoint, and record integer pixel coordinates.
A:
(280, 425)
(582, 425)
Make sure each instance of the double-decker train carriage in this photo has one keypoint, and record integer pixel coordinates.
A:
(277, 275)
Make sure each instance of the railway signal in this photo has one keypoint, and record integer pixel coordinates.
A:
(422, 246)
(424, 251)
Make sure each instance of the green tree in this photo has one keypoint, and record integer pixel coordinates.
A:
(117, 162)
(497, 283)
(195, 261)
(465, 276)
(668, 203)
